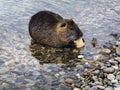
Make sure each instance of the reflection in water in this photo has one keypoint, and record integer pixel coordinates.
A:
(53, 55)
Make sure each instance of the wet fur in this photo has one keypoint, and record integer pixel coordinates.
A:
(50, 29)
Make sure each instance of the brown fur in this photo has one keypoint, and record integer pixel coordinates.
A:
(50, 29)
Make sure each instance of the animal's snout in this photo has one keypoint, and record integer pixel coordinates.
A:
(80, 43)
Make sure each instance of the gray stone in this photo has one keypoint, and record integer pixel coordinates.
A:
(118, 52)
(114, 81)
(109, 70)
(6, 85)
(110, 77)
(76, 89)
(93, 88)
(96, 72)
(68, 81)
(100, 87)
(118, 77)
(108, 88)
(105, 51)
(3, 70)
(117, 88)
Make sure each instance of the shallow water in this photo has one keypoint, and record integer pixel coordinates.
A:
(96, 18)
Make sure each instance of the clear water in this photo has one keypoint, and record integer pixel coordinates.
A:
(96, 18)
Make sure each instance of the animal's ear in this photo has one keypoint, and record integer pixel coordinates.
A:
(63, 24)
(70, 21)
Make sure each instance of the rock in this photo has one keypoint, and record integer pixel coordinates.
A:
(117, 88)
(114, 81)
(4, 70)
(104, 51)
(100, 87)
(6, 85)
(80, 56)
(118, 59)
(110, 77)
(93, 88)
(108, 88)
(115, 67)
(62, 73)
(118, 52)
(118, 77)
(68, 81)
(109, 70)
(112, 61)
(118, 43)
(76, 89)
(96, 72)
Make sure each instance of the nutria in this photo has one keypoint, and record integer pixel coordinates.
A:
(50, 29)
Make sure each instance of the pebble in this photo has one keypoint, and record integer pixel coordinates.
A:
(115, 67)
(117, 88)
(114, 81)
(6, 85)
(62, 73)
(109, 70)
(118, 43)
(68, 81)
(76, 89)
(80, 56)
(104, 51)
(110, 77)
(118, 52)
(118, 59)
(118, 77)
(100, 87)
(3, 70)
(108, 88)
(96, 72)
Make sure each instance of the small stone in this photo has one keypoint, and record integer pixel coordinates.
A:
(62, 73)
(118, 43)
(3, 70)
(108, 88)
(118, 77)
(112, 61)
(117, 88)
(80, 56)
(114, 81)
(6, 85)
(109, 70)
(78, 75)
(110, 77)
(96, 72)
(76, 89)
(57, 75)
(105, 51)
(118, 51)
(100, 87)
(115, 67)
(68, 81)
(118, 59)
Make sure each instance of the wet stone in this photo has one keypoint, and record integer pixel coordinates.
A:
(96, 72)
(118, 52)
(110, 77)
(108, 88)
(109, 70)
(114, 81)
(117, 88)
(100, 87)
(68, 81)
(118, 77)
(105, 51)
(76, 89)
(6, 85)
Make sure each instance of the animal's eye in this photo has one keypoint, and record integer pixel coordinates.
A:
(63, 25)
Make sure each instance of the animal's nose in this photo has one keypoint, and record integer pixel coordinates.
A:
(80, 43)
